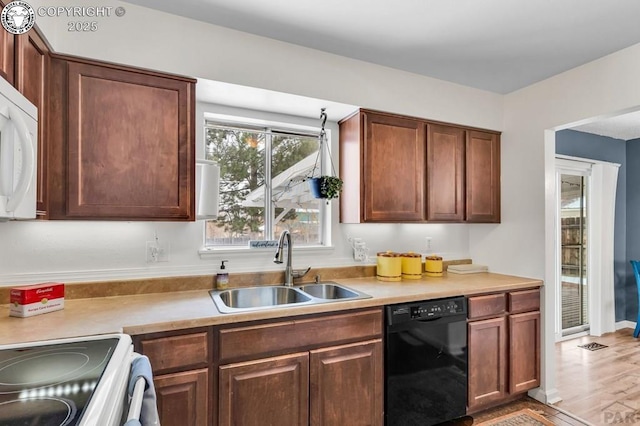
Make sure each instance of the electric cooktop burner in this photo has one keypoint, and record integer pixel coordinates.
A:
(50, 385)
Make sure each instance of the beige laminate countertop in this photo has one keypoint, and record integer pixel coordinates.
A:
(155, 312)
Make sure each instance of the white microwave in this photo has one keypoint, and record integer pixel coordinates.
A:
(18, 154)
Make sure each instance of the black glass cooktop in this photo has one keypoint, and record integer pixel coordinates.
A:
(50, 385)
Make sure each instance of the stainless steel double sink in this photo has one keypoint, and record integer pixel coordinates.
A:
(247, 299)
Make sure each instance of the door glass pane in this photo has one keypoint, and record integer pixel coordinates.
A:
(573, 217)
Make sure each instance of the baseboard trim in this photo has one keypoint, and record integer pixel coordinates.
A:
(625, 324)
(545, 396)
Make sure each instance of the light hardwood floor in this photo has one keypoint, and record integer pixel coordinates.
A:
(602, 386)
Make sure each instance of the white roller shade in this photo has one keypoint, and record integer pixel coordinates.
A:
(208, 189)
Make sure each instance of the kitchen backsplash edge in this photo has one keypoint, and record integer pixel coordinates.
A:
(87, 290)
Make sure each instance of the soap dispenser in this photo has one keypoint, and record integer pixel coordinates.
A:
(222, 277)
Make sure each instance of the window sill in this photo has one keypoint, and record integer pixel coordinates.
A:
(211, 252)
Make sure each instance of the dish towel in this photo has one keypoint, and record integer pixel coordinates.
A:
(141, 367)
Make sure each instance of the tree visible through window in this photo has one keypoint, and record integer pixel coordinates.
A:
(258, 164)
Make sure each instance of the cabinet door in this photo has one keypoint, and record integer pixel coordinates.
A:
(347, 385)
(273, 391)
(183, 398)
(394, 169)
(445, 173)
(487, 362)
(482, 177)
(130, 144)
(6, 52)
(32, 65)
(524, 351)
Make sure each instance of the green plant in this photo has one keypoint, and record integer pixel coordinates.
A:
(330, 186)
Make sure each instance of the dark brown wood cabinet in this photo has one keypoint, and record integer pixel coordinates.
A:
(382, 163)
(524, 363)
(504, 347)
(121, 142)
(7, 55)
(445, 173)
(482, 177)
(487, 362)
(345, 385)
(272, 391)
(183, 398)
(31, 79)
(318, 370)
(405, 169)
(7, 52)
(181, 363)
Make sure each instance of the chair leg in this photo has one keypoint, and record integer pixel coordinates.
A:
(636, 332)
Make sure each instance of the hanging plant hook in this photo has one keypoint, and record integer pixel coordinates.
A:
(324, 186)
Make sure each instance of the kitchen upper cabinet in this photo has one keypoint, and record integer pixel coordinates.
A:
(445, 173)
(273, 391)
(31, 79)
(7, 55)
(482, 177)
(122, 143)
(387, 184)
(405, 169)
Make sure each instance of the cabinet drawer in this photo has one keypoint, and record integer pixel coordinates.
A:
(524, 301)
(173, 352)
(487, 306)
(257, 341)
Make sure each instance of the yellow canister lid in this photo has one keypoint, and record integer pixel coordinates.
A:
(388, 254)
(411, 254)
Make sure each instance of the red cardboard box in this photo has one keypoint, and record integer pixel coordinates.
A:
(36, 299)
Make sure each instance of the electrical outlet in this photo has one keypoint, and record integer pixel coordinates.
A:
(157, 252)
(429, 243)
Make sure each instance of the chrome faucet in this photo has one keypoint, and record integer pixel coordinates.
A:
(289, 273)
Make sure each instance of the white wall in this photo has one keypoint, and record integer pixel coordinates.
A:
(85, 251)
(523, 243)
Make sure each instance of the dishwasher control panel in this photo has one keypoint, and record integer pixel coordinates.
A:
(428, 309)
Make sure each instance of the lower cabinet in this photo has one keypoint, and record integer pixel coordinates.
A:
(504, 347)
(183, 397)
(524, 350)
(340, 385)
(316, 370)
(487, 362)
(346, 385)
(273, 391)
(181, 363)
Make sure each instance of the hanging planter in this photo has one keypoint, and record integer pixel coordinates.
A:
(324, 186)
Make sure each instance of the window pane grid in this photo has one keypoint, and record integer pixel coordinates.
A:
(258, 165)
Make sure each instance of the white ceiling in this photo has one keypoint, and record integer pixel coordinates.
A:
(495, 45)
(625, 127)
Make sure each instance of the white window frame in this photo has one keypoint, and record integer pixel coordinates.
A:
(324, 209)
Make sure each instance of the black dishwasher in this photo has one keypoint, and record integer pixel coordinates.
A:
(426, 362)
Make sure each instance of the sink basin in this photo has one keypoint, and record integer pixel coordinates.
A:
(248, 299)
(252, 298)
(329, 291)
